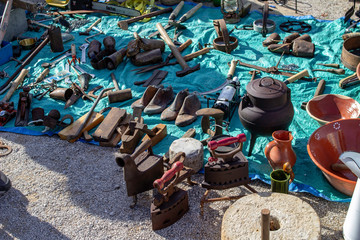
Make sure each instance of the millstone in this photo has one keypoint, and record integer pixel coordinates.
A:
(294, 218)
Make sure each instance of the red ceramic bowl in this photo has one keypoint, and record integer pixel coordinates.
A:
(325, 146)
(330, 107)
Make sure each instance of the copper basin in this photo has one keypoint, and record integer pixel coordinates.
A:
(325, 146)
(330, 107)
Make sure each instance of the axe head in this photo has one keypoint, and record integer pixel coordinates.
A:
(187, 70)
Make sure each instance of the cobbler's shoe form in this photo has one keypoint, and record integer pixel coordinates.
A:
(187, 113)
(170, 113)
(146, 97)
(159, 102)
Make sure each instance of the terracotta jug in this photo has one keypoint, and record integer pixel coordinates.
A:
(279, 151)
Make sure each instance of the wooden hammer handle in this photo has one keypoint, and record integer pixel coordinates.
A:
(212, 145)
(172, 46)
(232, 68)
(303, 73)
(93, 25)
(116, 85)
(15, 84)
(193, 55)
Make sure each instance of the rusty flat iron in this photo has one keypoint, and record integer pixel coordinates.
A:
(226, 168)
(141, 169)
(23, 110)
(171, 202)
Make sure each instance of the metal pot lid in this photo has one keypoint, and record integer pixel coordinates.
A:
(266, 88)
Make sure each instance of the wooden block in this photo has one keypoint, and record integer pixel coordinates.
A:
(160, 132)
(70, 130)
(106, 129)
(115, 139)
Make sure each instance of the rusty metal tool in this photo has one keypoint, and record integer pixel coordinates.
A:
(171, 202)
(88, 116)
(124, 24)
(54, 62)
(338, 71)
(181, 48)
(118, 95)
(183, 18)
(319, 90)
(186, 69)
(87, 31)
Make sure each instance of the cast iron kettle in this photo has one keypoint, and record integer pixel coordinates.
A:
(265, 108)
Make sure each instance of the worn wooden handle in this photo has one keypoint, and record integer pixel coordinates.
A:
(212, 145)
(183, 46)
(15, 84)
(320, 88)
(191, 12)
(143, 146)
(232, 68)
(176, 11)
(42, 75)
(339, 167)
(93, 25)
(168, 175)
(303, 73)
(193, 55)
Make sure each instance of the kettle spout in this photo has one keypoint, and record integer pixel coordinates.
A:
(352, 161)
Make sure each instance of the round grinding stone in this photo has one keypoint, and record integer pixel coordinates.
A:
(193, 149)
(292, 217)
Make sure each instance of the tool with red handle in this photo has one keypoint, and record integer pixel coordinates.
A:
(168, 175)
(212, 145)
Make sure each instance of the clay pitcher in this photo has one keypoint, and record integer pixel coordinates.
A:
(279, 151)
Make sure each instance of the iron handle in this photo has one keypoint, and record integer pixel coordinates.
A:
(212, 145)
(168, 175)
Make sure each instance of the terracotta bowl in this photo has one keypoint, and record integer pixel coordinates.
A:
(330, 107)
(325, 146)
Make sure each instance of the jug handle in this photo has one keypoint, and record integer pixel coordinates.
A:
(288, 169)
(267, 150)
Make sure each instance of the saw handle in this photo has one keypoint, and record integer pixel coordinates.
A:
(191, 12)
(176, 11)
(212, 145)
(168, 175)
(196, 54)
(231, 71)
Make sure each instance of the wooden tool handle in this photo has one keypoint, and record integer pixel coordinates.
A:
(42, 75)
(93, 25)
(320, 88)
(168, 175)
(232, 68)
(176, 11)
(148, 15)
(183, 46)
(15, 84)
(334, 65)
(303, 73)
(171, 45)
(341, 82)
(339, 71)
(265, 224)
(190, 133)
(191, 12)
(140, 149)
(116, 85)
(193, 55)
(212, 145)
(5, 19)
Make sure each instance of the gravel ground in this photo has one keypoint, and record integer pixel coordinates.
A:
(76, 191)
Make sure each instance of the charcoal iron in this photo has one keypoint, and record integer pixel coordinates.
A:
(141, 169)
(171, 202)
(226, 168)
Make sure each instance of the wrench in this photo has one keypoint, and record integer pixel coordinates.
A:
(83, 52)
(82, 70)
(53, 63)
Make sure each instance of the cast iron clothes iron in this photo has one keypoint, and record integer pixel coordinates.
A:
(351, 230)
(141, 169)
(171, 202)
(226, 168)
